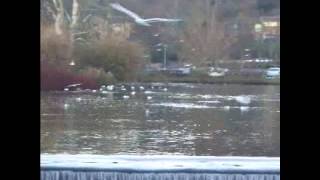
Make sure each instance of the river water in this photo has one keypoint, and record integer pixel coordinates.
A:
(182, 119)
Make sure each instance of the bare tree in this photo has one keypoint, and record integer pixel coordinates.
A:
(52, 10)
(75, 14)
(56, 8)
(204, 36)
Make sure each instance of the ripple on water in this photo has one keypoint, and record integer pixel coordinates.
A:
(183, 105)
(210, 102)
(181, 120)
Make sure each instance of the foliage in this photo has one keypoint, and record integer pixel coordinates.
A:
(120, 57)
(267, 49)
(107, 46)
(266, 6)
(56, 78)
(99, 74)
(54, 48)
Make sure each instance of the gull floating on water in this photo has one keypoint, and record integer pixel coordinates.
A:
(66, 106)
(78, 99)
(138, 19)
(226, 107)
(110, 87)
(243, 99)
(147, 112)
(244, 108)
(147, 92)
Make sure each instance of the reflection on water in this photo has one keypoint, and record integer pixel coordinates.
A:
(189, 119)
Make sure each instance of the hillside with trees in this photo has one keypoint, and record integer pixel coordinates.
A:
(89, 42)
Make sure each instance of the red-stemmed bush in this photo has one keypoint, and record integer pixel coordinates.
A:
(56, 78)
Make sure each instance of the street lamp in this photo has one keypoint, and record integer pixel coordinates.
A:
(247, 53)
(165, 56)
(164, 53)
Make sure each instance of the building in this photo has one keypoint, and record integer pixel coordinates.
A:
(154, 67)
(268, 27)
(113, 27)
(122, 30)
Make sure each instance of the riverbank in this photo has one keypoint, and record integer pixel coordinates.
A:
(250, 80)
(53, 83)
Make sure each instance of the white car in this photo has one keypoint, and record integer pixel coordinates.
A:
(216, 72)
(272, 73)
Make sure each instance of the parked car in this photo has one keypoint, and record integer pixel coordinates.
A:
(179, 71)
(189, 66)
(216, 72)
(272, 73)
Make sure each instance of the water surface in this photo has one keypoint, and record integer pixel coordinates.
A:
(188, 119)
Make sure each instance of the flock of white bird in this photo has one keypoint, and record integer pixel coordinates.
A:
(130, 90)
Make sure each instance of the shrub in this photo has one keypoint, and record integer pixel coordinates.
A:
(99, 74)
(56, 78)
(54, 49)
(119, 57)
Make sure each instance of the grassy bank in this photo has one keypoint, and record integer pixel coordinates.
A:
(53, 78)
(231, 79)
